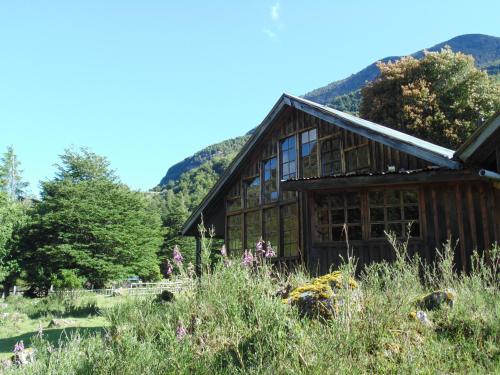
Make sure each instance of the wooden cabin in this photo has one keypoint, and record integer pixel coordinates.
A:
(312, 177)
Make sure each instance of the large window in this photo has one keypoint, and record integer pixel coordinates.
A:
(269, 188)
(337, 212)
(233, 200)
(357, 159)
(234, 241)
(252, 229)
(270, 230)
(252, 192)
(331, 156)
(309, 153)
(392, 211)
(289, 230)
(288, 159)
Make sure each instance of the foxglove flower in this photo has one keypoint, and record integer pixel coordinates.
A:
(181, 331)
(169, 269)
(223, 251)
(247, 258)
(259, 248)
(19, 347)
(269, 251)
(177, 256)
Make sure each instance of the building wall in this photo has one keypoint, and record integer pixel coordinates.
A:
(465, 212)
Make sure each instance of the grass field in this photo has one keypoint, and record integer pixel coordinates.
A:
(22, 318)
(232, 322)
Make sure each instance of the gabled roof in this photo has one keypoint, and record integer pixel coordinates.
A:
(482, 142)
(430, 152)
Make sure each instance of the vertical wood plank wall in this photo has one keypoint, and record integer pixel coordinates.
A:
(466, 212)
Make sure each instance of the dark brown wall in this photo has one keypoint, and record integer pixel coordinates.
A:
(466, 212)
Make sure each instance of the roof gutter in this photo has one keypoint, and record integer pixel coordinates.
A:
(489, 174)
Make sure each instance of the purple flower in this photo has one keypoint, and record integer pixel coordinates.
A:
(177, 256)
(181, 331)
(269, 251)
(259, 248)
(169, 269)
(19, 347)
(223, 251)
(247, 258)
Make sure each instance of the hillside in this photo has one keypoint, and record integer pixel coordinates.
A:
(484, 48)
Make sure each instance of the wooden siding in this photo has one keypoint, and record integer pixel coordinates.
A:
(466, 213)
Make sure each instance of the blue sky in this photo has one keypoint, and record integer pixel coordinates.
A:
(148, 83)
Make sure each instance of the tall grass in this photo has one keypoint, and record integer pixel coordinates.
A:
(236, 325)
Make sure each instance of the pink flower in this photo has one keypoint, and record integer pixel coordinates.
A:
(223, 251)
(19, 347)
(181, 331)
(247, 258)
(177, 256)
(269, 251)
(259, 248)
(169, 269)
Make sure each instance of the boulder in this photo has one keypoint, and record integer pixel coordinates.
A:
(437, 299)
(421, 317)
(165, 296)
(323, 296)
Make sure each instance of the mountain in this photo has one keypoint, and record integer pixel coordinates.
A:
(484, 48)
(204, 167)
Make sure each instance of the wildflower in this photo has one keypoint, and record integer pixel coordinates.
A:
(40, 330)
(177, 256)
(223, 251)
(169, 269)
(247, 258)
(181, 331)
(19, 347)
(269, 251)
(259, 248)
(190, 270)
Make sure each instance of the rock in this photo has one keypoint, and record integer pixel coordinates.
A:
(24, 357)
(420, 316)
(437, 299)
(323, 296)
(60, 323)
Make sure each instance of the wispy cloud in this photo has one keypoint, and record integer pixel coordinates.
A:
(271, 34)
(272, 31)
(275, 11)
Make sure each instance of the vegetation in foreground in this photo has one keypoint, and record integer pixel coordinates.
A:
(232, 321)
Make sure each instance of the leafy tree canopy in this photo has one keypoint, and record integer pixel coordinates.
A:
(441, 98)
(91, 225)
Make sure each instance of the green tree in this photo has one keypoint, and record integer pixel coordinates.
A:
(11, 180)
(13, 216)
(441, 98)
(91, 224)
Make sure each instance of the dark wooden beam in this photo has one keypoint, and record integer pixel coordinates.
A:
(378, 180)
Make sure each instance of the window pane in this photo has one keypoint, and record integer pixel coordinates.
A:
(411, 213)
(352, 199)
(337, 200)
(252, 226)
(395, 228)
(377, 214)
(410, 196)
(393, 197)
(354, 232)
(337, 233)
(393, 213)
(415, 230)
(354, 215)
(377, 230)
(377, 198)
(338, 216)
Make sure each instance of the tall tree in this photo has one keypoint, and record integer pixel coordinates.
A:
(11, 180)
(441, 98)
(13, 216)
(90, 223)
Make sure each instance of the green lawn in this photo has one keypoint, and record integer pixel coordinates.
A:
(22, 317)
